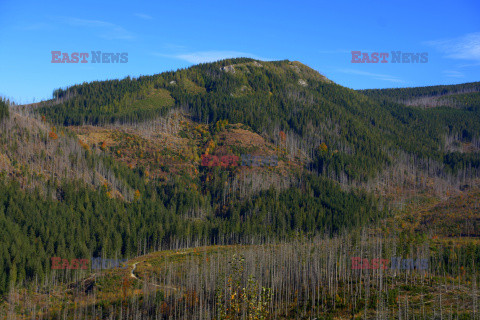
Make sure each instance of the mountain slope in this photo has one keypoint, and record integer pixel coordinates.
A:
(119, 164)
(366, 135)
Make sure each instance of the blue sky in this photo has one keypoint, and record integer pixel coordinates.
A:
(167, 35)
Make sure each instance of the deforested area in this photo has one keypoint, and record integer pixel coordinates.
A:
(254, 160)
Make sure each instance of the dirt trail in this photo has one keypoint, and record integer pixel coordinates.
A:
(166, 287)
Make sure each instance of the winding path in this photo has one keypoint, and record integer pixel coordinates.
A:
(166, 287)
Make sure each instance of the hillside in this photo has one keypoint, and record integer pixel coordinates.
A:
(234, 152)
(300, 279)
(270, 97)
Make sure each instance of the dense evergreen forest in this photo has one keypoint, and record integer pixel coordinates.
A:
(365, 129)
(88, 223)
(347, 138)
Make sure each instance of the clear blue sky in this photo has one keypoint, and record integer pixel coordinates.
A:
(167, 35)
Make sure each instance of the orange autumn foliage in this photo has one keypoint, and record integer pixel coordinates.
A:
(137, 195)
(283, 136)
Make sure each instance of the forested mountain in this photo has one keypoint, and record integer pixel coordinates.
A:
(466, 95)
(116, 167)
(361, 134)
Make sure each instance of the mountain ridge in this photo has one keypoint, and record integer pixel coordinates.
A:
(118, 165)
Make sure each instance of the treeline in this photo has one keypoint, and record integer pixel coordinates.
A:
(74, 221)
